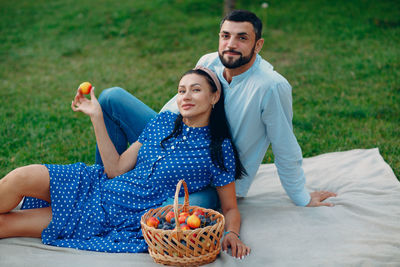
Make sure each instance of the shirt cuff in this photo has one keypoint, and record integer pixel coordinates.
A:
(302, 198)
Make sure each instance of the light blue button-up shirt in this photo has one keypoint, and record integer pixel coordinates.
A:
(258, 105)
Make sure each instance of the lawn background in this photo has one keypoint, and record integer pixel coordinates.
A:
(341, 57)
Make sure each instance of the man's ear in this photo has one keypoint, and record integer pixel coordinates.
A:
(259, 45)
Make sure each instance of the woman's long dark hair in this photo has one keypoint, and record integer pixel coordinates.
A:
(219, 129)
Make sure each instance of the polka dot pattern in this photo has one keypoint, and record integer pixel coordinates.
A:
(92, 212)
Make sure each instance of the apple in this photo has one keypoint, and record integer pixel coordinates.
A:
(153, 222)
(169, 216)
(182, 217)
(184, 227)
(193, 221)
(85, 88)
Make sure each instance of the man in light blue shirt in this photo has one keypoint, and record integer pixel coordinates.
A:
(259, 110)
(258, 104)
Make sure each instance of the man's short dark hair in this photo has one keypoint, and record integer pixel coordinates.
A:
(245, 16)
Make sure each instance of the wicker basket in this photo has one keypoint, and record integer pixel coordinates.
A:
(183, 248)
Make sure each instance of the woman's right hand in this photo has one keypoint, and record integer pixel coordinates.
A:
(238, 248)
(90, 107)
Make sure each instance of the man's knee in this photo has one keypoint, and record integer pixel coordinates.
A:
(207, 198)
(110, 95)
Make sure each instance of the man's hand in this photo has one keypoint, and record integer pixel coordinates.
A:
(318, 196)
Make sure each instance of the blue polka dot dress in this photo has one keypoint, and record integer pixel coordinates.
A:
(93, 212)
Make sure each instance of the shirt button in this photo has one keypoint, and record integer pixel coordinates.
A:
(184, 137)
(159, 157)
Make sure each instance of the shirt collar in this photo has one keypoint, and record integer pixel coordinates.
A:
(238, 78)
(196, 130)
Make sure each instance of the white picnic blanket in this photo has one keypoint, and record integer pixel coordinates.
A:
(362, 229)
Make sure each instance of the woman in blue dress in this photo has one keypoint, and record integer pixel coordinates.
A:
(99, 208)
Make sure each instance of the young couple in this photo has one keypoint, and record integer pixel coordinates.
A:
(226, 113)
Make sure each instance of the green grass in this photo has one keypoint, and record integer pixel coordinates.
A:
(341, 57)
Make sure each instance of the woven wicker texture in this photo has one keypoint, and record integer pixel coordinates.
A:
(183, 248)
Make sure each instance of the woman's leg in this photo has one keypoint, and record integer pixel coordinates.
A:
(25, 223)
(32, 181)
(125, 117)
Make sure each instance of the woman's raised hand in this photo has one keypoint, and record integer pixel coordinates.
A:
(90, 107)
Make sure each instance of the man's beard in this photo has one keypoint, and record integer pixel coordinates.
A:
(233, 64)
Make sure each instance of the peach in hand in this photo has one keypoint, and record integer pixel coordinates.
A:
(85, 87)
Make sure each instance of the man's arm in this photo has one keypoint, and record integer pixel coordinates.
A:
(171, 106)
(277, 117)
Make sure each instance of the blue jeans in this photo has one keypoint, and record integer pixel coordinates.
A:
(125, 117)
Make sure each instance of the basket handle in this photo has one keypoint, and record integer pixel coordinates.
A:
(185, 205)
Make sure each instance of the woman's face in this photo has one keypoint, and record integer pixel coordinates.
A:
(195, 100)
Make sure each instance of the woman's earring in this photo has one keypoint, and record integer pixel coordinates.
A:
(213, 106)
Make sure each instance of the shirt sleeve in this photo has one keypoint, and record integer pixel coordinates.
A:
(277, 117)
(151, 124)
(201, 61)
(222, 177)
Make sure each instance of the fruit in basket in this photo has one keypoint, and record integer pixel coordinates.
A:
(184, 227)
(193, 221)
(85, 88)
(169, 216)
(161, 223)
(198, 212)
(202, 221)
(182, 217)
(186, 248)
(153, 222)
(166, 226)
